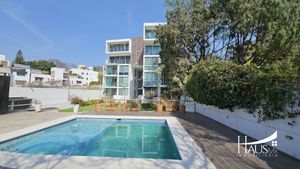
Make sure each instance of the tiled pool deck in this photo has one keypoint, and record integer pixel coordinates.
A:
(215, 140)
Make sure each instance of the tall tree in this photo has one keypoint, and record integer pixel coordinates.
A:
(19, 58)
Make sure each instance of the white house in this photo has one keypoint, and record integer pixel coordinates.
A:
(82, 75)
(37, 76)
(3, 61)
(20, 74)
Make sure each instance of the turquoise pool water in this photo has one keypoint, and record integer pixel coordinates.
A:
(100, 137)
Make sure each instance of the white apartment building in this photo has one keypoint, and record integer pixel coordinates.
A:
(3, 61)
(82, 75)
(131, 68)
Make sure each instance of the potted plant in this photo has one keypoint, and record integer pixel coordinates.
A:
(124, 107)
(110, 105)
(37, 105)
(98, 105)
(170, 105)
(75, 101)
(133, 105)
(159, 105)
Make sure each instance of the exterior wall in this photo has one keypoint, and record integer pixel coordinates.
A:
(57, 74)
(87, 75)
(54, 97)
(3, 61)
(15, 77)
(45, 78)
(288, 129)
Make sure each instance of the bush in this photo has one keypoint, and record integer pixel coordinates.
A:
(91, 102)
(132, 104)
(264, 92)
(76, 100)
(148, 107)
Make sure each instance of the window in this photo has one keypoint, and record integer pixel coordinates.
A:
(111, 70)
(150, 79)
(123, 82)
(150, 34)
(151, 60)
(123, 92)
(21, 73)
(152, 50)
(123, 70)
(111, 81)
(110, 92)
(150, 68)
(118, 47)
(119, 59)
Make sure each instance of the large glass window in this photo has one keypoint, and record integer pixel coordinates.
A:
(152, 50)
(110, 92)
(151, 60)
(123, 92)
(119, 59)
(150, 34)
(21, 73)
(118, 47)
(111, 81)
(123, 81)
(150, 79)
(123, 70)
(150, 68)
(111, 70)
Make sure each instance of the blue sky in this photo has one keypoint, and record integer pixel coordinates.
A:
(73, 31)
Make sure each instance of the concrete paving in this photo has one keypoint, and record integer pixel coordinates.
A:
(22, 119)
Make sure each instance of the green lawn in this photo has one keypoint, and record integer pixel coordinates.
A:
(81, 108)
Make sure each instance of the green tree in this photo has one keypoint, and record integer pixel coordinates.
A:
(43, 65)
(19, 58)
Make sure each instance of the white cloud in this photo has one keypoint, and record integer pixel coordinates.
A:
(30, 27)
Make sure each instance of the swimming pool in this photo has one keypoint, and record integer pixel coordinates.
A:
(125, 138)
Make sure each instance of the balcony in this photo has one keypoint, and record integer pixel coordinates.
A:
(118, 47)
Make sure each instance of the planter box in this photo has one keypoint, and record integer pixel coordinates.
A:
(134, 109)
(98, 107)
(76, 108)
(124, 107)
(182, 108)
(159, 107)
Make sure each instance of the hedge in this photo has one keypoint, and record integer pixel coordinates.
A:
(263, 92)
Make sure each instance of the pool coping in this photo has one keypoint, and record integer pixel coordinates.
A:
(191, 155)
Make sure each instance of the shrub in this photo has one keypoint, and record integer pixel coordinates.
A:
(264, 92)
(76, 100)
(148, 106)
(132, 104)
(91, 102)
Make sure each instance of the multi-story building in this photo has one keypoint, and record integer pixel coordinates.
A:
(131, 68)
(82, 75)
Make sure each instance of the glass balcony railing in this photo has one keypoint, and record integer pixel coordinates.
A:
(119, 47)
(152, 50)
(150, 34)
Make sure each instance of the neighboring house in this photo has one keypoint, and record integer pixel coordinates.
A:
(38, 77)
(3, 61)
(131, 68)
(4, 66)
(58, 76)
(20, 75)
(82, 75)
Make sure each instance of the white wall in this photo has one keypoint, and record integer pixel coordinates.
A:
(54, 97)
(247, 124)
(88, 75)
